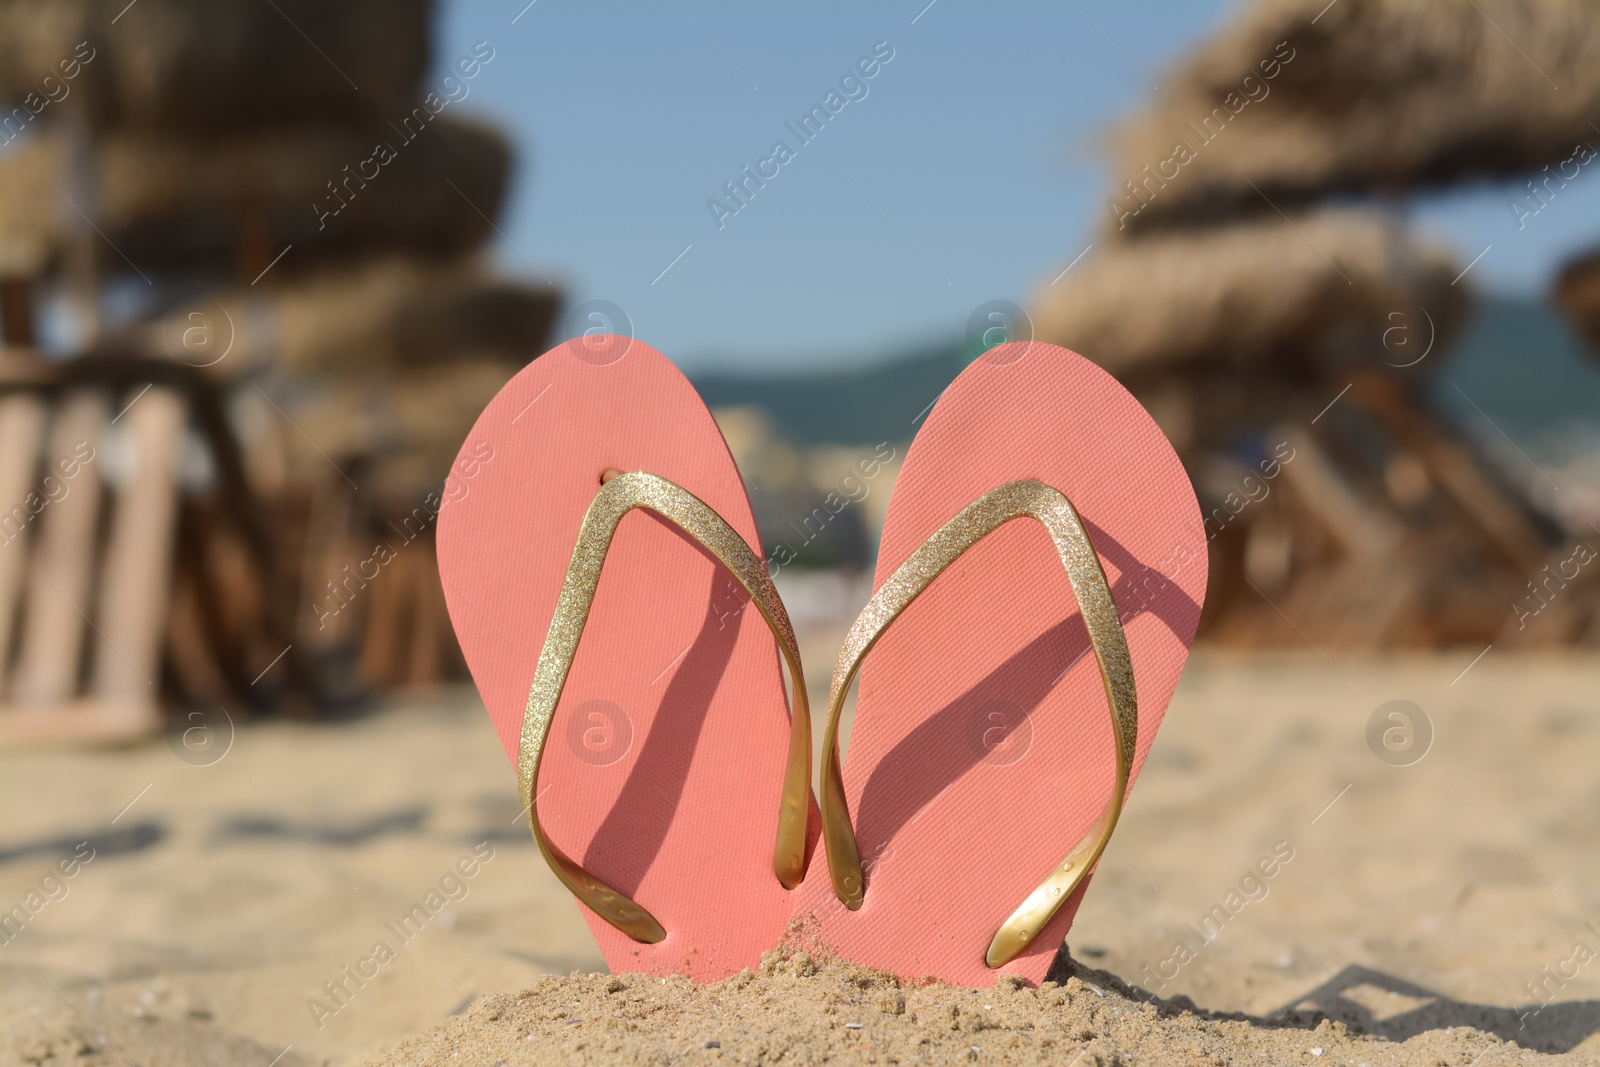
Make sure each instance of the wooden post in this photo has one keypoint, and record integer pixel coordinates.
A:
(134, 594)
(1362, 529)
(21, 429)
(16, 311)
(59, 583)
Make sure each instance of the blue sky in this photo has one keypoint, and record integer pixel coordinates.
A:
(969, 171)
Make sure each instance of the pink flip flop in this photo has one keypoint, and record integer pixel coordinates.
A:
(665, 780)
(985, 773)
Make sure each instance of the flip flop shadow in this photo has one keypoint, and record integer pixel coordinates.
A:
(630, 837)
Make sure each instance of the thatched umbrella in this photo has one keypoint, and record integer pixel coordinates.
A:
(391, 359)
(202, 66)
(405, 312)
(403, 427)
(1241, 309)
(310, 219)
(392, 312)
(1300, 100)
(1320, 291)
(171, 201)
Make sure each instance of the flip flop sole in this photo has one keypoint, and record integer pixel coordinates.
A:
(982, 748)
(665, 758)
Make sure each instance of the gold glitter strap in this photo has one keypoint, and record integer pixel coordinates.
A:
(977, 520)
(618, 496)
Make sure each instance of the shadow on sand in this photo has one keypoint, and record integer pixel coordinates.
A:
(1407, 1009)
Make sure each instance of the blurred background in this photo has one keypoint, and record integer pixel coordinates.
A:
(263, 262)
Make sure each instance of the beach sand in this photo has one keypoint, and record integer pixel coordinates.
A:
(795, 1010)
(1430, 911)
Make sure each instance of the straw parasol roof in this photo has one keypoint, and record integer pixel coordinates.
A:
(1380, 96)
(409, 423)
(204, 66)
(175, 201)
(1239, 303)
(1317, 292)
(385, 313)
(400, 311)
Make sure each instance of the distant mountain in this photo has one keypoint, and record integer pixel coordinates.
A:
(882, 402)
(1517, 360)
(1524, 366)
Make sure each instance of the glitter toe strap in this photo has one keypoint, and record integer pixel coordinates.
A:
(618, 496)
(1014, 500)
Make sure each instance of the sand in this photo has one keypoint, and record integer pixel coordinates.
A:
(1421, 901)
(795, 1011)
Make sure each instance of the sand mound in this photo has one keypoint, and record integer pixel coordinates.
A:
(798, 1010)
